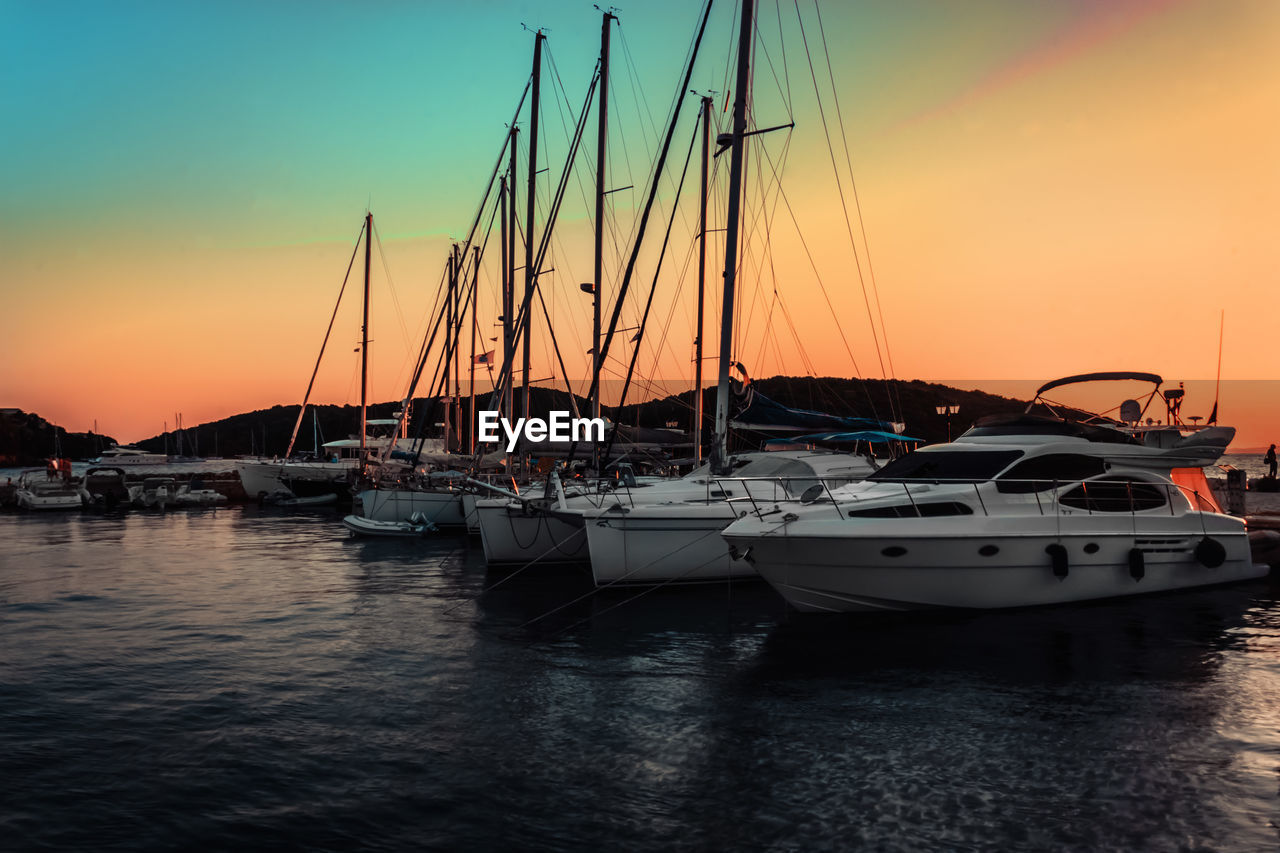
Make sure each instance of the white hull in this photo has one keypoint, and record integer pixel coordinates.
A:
(443, 509)
(671, 543)
(267, 478)
(470, 514)
(29, 501)
(509, 535)
(361, 526)
(878, 570)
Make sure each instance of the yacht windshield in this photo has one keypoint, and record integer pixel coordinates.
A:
(976, 466)
(778, 467)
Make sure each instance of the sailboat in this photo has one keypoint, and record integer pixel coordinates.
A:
(298, 481)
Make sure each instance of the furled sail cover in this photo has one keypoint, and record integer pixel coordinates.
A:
(758, 412)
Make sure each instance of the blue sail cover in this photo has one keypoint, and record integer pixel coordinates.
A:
(872, 436)
(765, 415)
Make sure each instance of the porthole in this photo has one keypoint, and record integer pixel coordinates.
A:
(989, 550)
(894, 551)
(1091, 548)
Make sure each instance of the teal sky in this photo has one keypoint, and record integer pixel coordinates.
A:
(188, 177)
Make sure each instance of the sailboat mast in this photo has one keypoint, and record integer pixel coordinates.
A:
(448, 340)
(509, 294)
(602, 139)
(530, 211)
(720, 450)
(475, 291)
(364, 338)
(702, 282)
(458, 314)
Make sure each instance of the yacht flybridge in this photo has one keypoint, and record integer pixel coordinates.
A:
(1026, 509)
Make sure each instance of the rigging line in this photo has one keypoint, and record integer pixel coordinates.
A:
(823, 287)
(645, 590)
(772, 212)
(312, 381)
(525, 304)
(844, 204)
(862, 222)
(466, 249)
(395, 299)
(428, 345)
(573, 403)
(560, 110)
(666, 327)
(424, 354)
(662, 253)
(786, 73)
(817, 274)
(653, 188)
(670, 118)
(760, 222)
(761, 46)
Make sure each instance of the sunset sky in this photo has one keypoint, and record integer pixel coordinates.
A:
(1043, 188)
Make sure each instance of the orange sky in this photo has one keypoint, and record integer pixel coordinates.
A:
(1046, 189)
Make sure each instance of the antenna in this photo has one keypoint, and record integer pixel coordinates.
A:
(1222, 322)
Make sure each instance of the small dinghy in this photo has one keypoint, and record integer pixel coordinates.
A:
(284, 497)
(417, 525)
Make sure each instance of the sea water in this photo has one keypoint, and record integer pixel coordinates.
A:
(239, 678)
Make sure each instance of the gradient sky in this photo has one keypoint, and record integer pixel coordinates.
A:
(1046, 188)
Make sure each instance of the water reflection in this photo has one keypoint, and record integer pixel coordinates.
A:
(270, 681)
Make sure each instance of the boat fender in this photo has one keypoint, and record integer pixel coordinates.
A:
(1211, 553)
(1137, 564)
(1058, 555)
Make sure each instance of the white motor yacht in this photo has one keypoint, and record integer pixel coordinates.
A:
(1020, 510)
(117, 455)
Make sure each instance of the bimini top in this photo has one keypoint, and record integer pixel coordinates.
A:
(1112, 376)
(1024, 424)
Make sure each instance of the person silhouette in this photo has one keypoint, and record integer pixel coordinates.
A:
(1270, 459)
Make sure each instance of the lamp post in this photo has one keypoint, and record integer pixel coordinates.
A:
(947, 409)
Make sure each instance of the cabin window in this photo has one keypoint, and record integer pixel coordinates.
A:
(1122, 495)
(920, 510)
(1044, 472)
(976, 466)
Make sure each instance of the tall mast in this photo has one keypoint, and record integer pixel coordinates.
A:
(448, 340)
(475, 291)
(602, 138)
(364, 338)
(530, 211)
(702, 282)
(720, 450)
(509, 295)
(457, 343)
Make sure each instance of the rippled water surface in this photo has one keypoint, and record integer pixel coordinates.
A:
(235, 679)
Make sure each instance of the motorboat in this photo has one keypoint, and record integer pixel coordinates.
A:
(1021, 510)
(37, 491)
(104, 487)
(155, 492)
(191, 494)
(675, 538)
